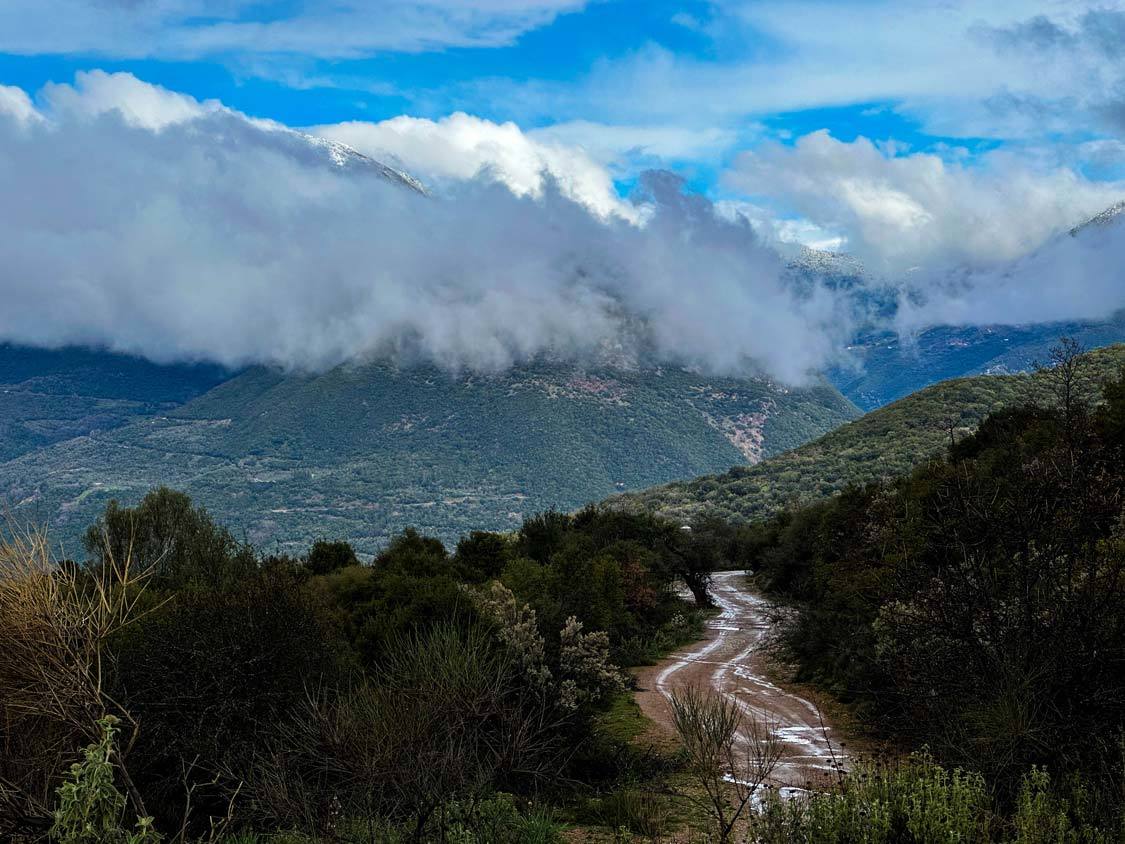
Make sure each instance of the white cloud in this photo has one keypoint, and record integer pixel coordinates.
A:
(15, 103)
(899, 211)
(1071, 277)
(940, 61)
(783, 230)
(462, 147)
(194, 28)
(95, 93)
(216, 237)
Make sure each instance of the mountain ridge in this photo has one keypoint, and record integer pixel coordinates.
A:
(365, 450)
(883, 443)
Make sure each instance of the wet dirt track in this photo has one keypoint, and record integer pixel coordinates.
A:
(732, 661)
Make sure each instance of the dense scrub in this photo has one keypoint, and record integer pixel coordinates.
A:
(918, 800)
(977, 605)
(225, 690)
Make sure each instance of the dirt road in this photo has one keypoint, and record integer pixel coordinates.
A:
(732, 661)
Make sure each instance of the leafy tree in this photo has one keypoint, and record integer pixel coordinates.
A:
(482, 555)
(176, 540)
(326, 557)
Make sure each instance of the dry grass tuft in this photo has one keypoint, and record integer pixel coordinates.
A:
(55, 621)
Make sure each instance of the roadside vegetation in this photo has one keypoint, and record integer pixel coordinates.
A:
(176, 685)
(976, 608)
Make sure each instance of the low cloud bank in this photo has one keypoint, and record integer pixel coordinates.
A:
(900, 210)
(142, 220)
(1079, 276)
(145, 221)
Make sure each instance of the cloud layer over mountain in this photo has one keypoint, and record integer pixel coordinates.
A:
(146, 221)
(898, 210)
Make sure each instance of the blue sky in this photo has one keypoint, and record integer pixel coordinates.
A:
(1013, 90)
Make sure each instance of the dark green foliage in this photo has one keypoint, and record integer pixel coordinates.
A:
(211, 674)
(324, 678)
(614, 571)
(482, 556)
(978, 604)
(326, 557)
(167, 535)
(442, 724)
(410, 586)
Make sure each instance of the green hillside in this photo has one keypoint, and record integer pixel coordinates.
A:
(881, 444)
(51, 395)
(363, 451)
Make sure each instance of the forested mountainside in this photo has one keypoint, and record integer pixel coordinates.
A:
(361, 451)
(888, 367)
(47, 396)
(881, 444)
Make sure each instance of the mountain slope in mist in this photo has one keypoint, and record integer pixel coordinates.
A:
(887, 364)
(363, 451)
(889, 367)
(881, 444)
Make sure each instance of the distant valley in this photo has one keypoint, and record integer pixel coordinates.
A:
(361, 452)
(364, 450)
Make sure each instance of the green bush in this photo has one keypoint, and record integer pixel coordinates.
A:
(1043, 816)
(90, 809)
(633, 808)
(920, 802)
(496, 820)
(917, 802)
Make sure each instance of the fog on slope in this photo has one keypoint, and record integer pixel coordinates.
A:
(144, 221)
(1079, 275)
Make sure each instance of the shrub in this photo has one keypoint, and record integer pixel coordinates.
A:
(495, 820)
(517, 629)
(90, 809)
(447, 717)
(588, 677)
(326, 557)
(55, 626)
(729, 757)
(178, 542)
(211, 675)
(916, 802)
(633, 808)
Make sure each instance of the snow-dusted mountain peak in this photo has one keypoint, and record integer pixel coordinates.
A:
(345, 157)
(1105, 218)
